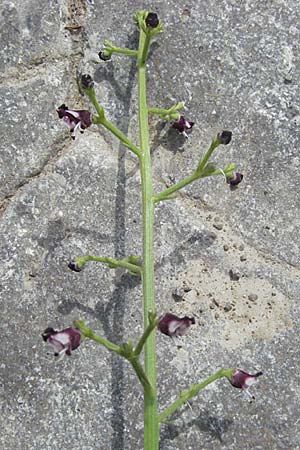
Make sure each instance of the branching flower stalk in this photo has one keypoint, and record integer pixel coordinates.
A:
(67, 340)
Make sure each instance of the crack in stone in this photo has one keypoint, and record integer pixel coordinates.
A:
(60, 147)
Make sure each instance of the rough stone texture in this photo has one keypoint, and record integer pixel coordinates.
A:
(236, 64)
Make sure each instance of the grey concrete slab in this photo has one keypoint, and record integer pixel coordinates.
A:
(236, 64)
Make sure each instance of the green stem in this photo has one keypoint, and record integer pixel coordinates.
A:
(214, 144)
(151, 326)
(88, 333)
(111, 262)
(107, 124)
(165, 195)
(151, 428)
(193, 390)
(124, 51)
(131, 357)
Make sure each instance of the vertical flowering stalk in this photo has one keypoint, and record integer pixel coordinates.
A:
(151, 427)
(67, 340)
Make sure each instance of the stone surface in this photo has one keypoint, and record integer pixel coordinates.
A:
(237, 67)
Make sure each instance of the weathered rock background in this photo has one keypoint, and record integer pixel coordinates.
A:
(236, 64)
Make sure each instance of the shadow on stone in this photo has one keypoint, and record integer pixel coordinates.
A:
(206, 422)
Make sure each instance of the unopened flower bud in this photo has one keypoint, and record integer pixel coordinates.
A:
(104, 57)
(87, 81)
(236, 179)
(74, 266)
(224, 137)
(152, 20)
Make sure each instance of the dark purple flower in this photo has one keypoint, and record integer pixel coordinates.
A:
(183, 126)
(63, 341)
(75, 119)
(104, 57)
(172, 325)
(152, 20)
(236, 179)
(74, 266)
(243, 380)
(224, 137)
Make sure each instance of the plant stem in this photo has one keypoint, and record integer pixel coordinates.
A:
(125, 51)
(107, 124)
(164, 195)
(151, 326)
(151, 427)
(111, 262)
(193, 390)
(214, 144)
(88, 333)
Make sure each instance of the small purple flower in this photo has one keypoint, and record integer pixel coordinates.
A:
(182, 125)
(243, 380)
(224, 137)
(174, 326)
(63, 341)
(152, 20)
(75, 119)
(236, 179)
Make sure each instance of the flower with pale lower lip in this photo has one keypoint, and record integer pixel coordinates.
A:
(243, 380)
(63, 341)
(182, 125)
(174, 326)
(75, 119)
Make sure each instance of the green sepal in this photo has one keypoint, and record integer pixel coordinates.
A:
(207, 170)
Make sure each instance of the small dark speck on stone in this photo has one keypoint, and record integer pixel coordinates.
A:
(178, 294)
(225, 248)
(227, 307)
(234, 276)
(252, 297)
(243, 258)
(218, 226)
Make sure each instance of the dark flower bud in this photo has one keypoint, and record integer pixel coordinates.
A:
(104, 57)
(172, 325)
(152, 20)
(236, 179)
(74, 266)
(87, 81)
(224, 137)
